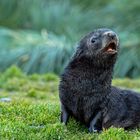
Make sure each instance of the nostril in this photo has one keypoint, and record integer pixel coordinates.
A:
(111, 35)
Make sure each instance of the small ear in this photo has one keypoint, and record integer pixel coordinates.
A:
(78, 53)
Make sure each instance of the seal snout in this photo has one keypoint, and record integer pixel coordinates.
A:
(111, 34)
(110, 42)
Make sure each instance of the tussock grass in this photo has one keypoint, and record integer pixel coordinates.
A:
(38, 52)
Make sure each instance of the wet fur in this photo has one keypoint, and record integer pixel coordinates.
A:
(85, 90)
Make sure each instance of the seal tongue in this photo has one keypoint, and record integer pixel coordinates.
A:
(109, 49)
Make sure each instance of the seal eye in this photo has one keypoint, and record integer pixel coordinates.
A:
(93, 40)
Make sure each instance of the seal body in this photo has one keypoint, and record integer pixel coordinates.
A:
(85, 89)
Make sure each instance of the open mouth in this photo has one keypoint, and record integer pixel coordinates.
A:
(111, 48)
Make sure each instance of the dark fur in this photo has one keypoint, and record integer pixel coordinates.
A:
(85, 88)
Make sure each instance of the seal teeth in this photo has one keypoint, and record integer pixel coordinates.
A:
(111, 47)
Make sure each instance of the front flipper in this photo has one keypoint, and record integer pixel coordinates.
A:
(96, 124)
(64, 115)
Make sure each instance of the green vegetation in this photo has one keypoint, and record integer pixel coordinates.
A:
(39, 36)
(28, 46)
(33, 110)
(33, 52)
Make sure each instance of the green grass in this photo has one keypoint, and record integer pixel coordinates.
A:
(41, 52)
(33, 52)
(29, 44)
(34, 110)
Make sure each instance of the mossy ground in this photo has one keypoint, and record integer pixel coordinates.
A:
(33, 112)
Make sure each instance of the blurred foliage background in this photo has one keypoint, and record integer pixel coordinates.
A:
(39, 36)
